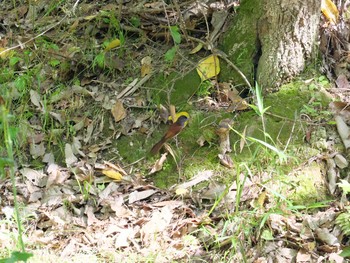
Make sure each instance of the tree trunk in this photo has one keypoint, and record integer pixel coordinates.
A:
(286, 33)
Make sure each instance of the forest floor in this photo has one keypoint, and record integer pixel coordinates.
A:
(254, 179)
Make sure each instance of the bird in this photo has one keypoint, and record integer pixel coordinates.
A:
(173, 130)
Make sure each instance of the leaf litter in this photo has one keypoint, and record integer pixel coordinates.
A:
(71, 207)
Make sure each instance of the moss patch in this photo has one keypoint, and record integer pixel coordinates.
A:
(282, 126)
(175, 89)
(241, 42)
(306, 186)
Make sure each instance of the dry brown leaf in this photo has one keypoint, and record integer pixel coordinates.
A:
(140, 195)
(201, 141)
(37, 150)
(327, 237)
(172, 110)
(238, 103)
(35, 99)
(243, 141)
(37, 178)
(217, 21)
(163, 113)
(336, 258)
(118, 111)
(342, 109)
(68, 93)
(226, 160)
(56, 175)
(70, 248)
(159, 222)
(49, 158)
(285, 254)
(223, 131)
(115, 167)
(111, 188)
(181, 191)
(61, 118)
(76, 147)
(343, 130)
(70, 157)
(214, 191)
(91, 218)
(342, 82)
(200, 177)
(35, 137)
(89, 131)
(124, 237)
(341, 161)
(332, 175)
(171, 203)
(303, 256)
(159, 164)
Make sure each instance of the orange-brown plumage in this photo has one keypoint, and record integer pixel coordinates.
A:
(173, 130)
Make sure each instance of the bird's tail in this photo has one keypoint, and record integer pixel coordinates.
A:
(155, 149)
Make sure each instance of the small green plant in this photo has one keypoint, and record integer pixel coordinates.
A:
(84, 189)
(204, 88)
(323, 80)
(99, 61)
(315, 111)
(260, 111)
(259, 107)
(343, 221)
(175, 34)
(9, 134)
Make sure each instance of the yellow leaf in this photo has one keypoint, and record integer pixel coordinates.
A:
(330, 11)
(261, 199)
(112, 174)
(196, 49)
(88, 18)
(208, 67)
(112, 44)
(74, 26)
(4, 54)
(146, 66)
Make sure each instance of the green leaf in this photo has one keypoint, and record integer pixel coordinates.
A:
(174, 31)
(267, 235)
(17, 256)
(255, 108)
(170, 54)
(259, 99)
(135, 21)
(99, 60)
(281, 155)
(345, 186)
(54, 62)
(14, 60)
(21, 83)
(345, 253)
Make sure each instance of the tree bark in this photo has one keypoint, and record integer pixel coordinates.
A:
(288, 32)
(285, 35)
